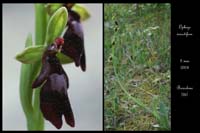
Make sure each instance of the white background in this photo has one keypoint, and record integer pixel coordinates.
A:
(85, 89)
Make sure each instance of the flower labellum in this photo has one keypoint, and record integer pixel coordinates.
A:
(54, 101)
(74, 40)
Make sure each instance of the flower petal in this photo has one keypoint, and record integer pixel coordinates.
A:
(50, 64)
(73, 16)
(54, 100)
(46, 69)
(44, 73)
(50, 112)
(74, 44)
(83, 62)
(69, 116)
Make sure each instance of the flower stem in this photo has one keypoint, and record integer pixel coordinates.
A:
(25, 82)
(40, 34)
(30, 99)
(40, 24)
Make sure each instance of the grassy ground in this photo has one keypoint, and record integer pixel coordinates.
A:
(137, 67)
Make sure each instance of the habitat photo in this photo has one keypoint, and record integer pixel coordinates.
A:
(137, 63)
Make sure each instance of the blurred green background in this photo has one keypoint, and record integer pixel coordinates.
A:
(137, 66)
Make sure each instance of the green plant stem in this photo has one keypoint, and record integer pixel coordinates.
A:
(30, 98)
(40, 24)
(40, 34)
(25, 93)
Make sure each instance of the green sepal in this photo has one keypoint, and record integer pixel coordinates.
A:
(31, 54)
(82, 11)
(56, 24)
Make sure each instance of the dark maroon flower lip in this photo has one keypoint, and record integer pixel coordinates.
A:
(54, 101)
(74, 40)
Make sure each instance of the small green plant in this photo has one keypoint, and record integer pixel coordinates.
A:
(50, 98)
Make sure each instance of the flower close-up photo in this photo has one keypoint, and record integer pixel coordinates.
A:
(52, 66)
